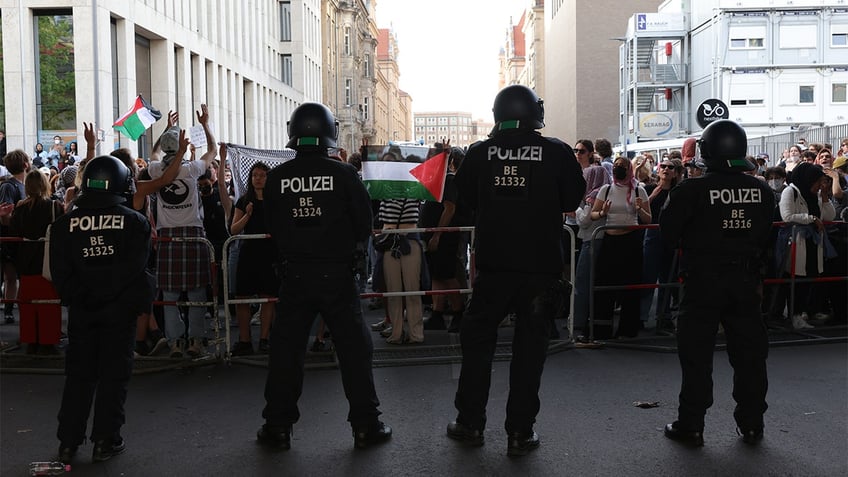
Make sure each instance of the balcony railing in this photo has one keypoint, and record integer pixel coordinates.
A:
(662, 74)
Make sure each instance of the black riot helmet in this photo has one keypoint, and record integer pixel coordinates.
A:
(517, 106)
(724, 146)
(105, 180)
(312, 125)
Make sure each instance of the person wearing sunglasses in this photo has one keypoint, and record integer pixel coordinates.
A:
(843, 148)
(657, 254)
(695, 168)
(584, 151)
(596, 177)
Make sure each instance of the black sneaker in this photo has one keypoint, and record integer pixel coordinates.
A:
(241, 348)
(160, 343)
(364, 437)
(455, 323)
(279, 437)
(67, 453)
(521, 443)
(693, 438)
(264, 346)
(48, 350)
(435, 322)
(105, 450)
(465, 434)
(141, 348)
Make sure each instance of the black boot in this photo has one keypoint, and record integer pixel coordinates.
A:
(456, 322)
(436, 321)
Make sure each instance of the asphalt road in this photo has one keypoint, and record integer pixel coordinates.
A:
(202, 421)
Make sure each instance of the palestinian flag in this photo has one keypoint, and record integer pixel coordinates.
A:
(406, 180)
(137, 120)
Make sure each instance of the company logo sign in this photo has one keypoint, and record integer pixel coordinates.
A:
(658, 124)
(711, 110)
(657, 22)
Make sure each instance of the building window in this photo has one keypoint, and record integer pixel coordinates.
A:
(367, 62)
(806, 94)
(745, 43)
(746, 102)
(747, 38)
(798, 36)
(348, 91)
(839, 35)
(365, 108)
(838, 93)
(347, 47)
(285, 21)
(286, 69)
(55, 62)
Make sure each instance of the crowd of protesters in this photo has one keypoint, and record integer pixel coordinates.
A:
(809, 183)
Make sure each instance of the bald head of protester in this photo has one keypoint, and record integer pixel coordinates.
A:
(104, 182)
(312, 127)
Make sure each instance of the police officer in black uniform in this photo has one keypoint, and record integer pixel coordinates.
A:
(519, 183)
(721, 221)
(319, 217)
(98, 253)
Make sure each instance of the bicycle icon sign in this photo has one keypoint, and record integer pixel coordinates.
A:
(711, 110)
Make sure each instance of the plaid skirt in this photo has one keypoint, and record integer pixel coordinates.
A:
(183, 265)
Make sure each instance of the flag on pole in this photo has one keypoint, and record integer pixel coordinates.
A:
(137, 120)
(406, 180)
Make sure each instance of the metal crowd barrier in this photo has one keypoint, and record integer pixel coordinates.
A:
(811, 336)
(471, 267)
(227, 295)
(144, 364)
(213, 303)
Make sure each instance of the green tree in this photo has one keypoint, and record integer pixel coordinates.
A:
(56, 67)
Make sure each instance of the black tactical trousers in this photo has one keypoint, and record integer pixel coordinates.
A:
(731, 296)
(532, 298)
(305, 292)
(99, 360)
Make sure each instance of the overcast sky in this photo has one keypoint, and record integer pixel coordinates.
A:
(448, 50)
